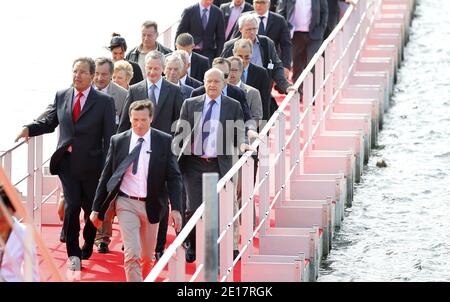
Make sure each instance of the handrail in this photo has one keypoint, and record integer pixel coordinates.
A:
(240, 163)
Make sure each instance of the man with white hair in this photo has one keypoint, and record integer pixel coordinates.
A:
(174, 68)
(209, 149)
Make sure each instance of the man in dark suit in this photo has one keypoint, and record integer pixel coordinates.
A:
(254, 75)
(165, 95)
(264, 51)
(231, 12)
(204, 22)
(139, 173)
(307, 25)
(168, 100)
(275, 27)
(198, 64)
(211, 150)
(86, 122)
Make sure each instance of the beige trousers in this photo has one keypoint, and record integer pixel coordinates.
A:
(138, 236)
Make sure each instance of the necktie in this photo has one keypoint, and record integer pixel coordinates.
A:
(136, 155)
(132, 158)
(243, 76)
(77, 108)
(261, 30)
(151, 94)
(204, 18)
(205, 132)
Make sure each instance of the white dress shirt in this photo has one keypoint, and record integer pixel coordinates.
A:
(301, 18)
(136, 184)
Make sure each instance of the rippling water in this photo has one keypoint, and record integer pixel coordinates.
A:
(399, 226)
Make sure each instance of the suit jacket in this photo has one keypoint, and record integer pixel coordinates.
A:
(119, 95)
(258, 78)
(269, 56)
(226, 12)
(230, 110)
(199, 65)
(193, 82)
(213, 36)
(277, 29)
(89, 136)
(253, 101)
(233, 92)
(166, 112)
(319, 16)
(163, 169)
(186, 91)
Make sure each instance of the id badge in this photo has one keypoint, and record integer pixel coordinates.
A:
(270, 66)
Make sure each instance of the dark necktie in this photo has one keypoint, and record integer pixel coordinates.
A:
(152, 95)
(261, 30)
(77, 108)
(132, 158)
(205, 132)
(204, 18)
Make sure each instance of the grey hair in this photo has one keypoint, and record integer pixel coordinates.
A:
(245, 18)
(156, 55)
(243, 44)
(175, 58)
(238, 60)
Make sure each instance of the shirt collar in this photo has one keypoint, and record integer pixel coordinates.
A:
(208, 100)
(158, 84)
(239, 83)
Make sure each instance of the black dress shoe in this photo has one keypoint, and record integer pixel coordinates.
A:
(62, 236)
(158, 254)
(235, 254)
(102, 248)
(190, 255)
(86, 251)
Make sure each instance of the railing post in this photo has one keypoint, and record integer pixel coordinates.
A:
(307, 99)
(280, 170)
(264, 190)
(318, 77)
(200, 247)
(7, 164)
(211, 217)
(177, 266)
(247, 198)
(295, 126)
(226, 216)
(30, 178)
(39, 182)
(329, 74)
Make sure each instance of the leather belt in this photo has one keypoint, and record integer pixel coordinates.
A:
(132, 197)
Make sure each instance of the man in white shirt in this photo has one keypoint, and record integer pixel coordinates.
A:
(140, 171)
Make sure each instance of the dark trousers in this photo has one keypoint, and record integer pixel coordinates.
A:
(303, 49)
(162, 230)
(78, 194)
(193, 170)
